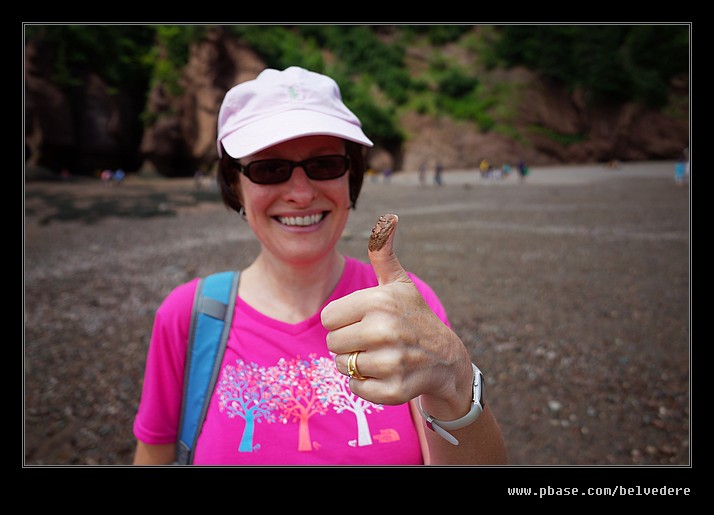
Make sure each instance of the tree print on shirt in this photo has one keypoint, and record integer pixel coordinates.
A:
(336, 389)
(292, 391)
(245, 391)
(296, 392)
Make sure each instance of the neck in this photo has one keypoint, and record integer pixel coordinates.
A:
(290, 292)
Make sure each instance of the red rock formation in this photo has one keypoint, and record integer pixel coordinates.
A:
(184, 137)
(551, 124)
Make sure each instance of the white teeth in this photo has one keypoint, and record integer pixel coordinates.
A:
(301, 220)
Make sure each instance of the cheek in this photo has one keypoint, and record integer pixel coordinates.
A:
(251, 194)
(340, 191)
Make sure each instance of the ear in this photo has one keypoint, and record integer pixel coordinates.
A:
(238, 190)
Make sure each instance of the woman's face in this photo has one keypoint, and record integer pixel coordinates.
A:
(300, 220)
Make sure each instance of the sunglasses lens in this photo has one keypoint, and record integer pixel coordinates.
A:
(326, 167)
(270, 171)
(275, 171)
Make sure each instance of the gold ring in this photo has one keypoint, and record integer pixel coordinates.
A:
(352, 369)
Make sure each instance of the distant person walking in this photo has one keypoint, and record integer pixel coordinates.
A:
(422, 174)
(198, 177)
(118, 176)
(437, 173)
(679, 172)
(523, 170)
(484, 167)
(107, 176)
(686, 165)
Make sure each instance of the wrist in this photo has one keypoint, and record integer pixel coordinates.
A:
(442, 427)
(450, 396)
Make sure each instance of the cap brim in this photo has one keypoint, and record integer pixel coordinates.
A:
(266, 132)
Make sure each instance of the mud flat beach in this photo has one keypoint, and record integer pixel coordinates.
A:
(570, 288)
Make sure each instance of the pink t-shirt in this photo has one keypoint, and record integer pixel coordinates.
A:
(279, 399)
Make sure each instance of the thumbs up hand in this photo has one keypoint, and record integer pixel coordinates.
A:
(402, 348)
(381, 252)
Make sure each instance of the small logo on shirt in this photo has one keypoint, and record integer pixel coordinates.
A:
(386, 436)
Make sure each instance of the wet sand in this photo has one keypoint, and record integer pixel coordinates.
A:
(571, 289)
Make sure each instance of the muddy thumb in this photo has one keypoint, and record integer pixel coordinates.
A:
(381, 251)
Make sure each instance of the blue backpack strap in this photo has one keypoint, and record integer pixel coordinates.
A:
(213, 308)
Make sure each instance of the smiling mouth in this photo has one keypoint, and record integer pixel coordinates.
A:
(302, 221)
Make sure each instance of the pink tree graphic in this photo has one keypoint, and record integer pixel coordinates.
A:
(295, 396)
(334, 389)
(292, 391)
(244, 391)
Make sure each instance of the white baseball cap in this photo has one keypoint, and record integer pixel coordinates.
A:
(281, 105)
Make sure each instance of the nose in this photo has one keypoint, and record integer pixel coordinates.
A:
(299, 189)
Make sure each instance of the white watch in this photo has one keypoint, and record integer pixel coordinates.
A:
(440, 426)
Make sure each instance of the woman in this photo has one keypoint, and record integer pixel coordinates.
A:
(342, 362)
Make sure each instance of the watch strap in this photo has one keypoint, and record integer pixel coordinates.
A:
(441, 426)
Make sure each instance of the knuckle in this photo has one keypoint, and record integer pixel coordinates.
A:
(329, 340)
(382, 297)
(391, 394)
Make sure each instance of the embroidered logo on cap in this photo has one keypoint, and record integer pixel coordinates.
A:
(294, 92)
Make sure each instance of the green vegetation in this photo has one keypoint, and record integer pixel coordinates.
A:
(280, 46)
(120, 54)
(611, 63)
(564, 139)
(169, 53)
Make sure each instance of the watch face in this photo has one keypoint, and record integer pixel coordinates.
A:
(479, 386)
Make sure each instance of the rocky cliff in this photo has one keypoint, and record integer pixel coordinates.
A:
(97, 129)
(555, 126)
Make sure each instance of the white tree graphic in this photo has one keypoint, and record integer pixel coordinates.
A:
(334, 388)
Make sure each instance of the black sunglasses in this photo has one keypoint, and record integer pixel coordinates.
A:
(275, 171)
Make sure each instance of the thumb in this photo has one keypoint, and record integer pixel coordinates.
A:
(381, 251)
